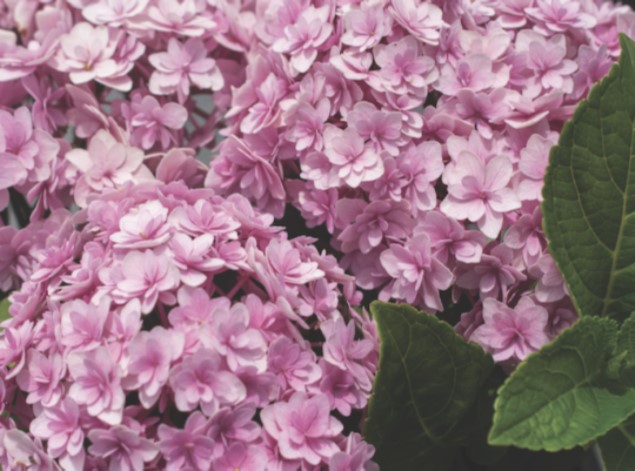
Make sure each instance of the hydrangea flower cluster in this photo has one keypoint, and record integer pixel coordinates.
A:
(417, 133)
(158, 320)
(176, 329)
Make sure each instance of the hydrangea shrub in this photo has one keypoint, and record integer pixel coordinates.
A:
(158, 159)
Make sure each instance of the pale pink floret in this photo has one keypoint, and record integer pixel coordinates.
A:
(303, 39)
(27, 154)
(180, 17)
(82, 325)
(143, 227)
(230, 335)
(478, 191)
(343, 351)
(106, 165)
(341, 389)
(187, 448)
(114, 12)
(417, 275)
(287, 265)
(19, 449)
(472, 72)
(183, 65)
(98, 53)
(42, 378)
(195, 258)
(356, 456)
(60, 426)
(147, 276)
(546, 58)
(421, 166)
(294, 366)
(353, 162)
(558, 16)
(404, 69)
(150, 355)
(265, 111)
(382, 128)
(365, 27)
(125, 449)
(303, 428)
(512, 333)
(151, 122)
(449, 239)
(305, 124)
(495, 273)
(241, 456)
(201, 379)
(423, 20)
(371, 224)
(97, 384)
(550, 287)
(532, 165)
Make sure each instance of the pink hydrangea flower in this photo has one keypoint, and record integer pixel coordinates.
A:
(187, 448)
(424, 21)
(143, 228)
(200, 379)
(107, 164)
(416, 273)
(303, 428)
(151, 121)
(351, 161)
(303, 39)
(150, 356)
(97, 384)
(98, 53)
(59, 425)
(183, 65)
(511, 334)
(124, 447)
(365, 27)
(146, 276)
(294, 366)
(42, 378)
(479, 191)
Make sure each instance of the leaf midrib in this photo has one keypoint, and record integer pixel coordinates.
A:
(618, 245)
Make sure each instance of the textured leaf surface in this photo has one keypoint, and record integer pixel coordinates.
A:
(618, 448)
(589, 196)
(428, 379)
(556, 399)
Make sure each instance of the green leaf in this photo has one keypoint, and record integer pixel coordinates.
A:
(618, 447)
(558, 398)
(589, 196)
(4, 309)
(622, 365)
(428, 379)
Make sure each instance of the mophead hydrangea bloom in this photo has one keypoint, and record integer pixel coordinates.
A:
(178, 329)
(161, 316)
(419, 137)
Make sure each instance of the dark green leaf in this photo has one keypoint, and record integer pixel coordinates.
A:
(557, 398)
(618, 448)
(428, 379)
(589, 196)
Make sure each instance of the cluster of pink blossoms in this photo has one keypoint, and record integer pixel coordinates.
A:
(157, 320)
(417, 133)
(174, 329)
